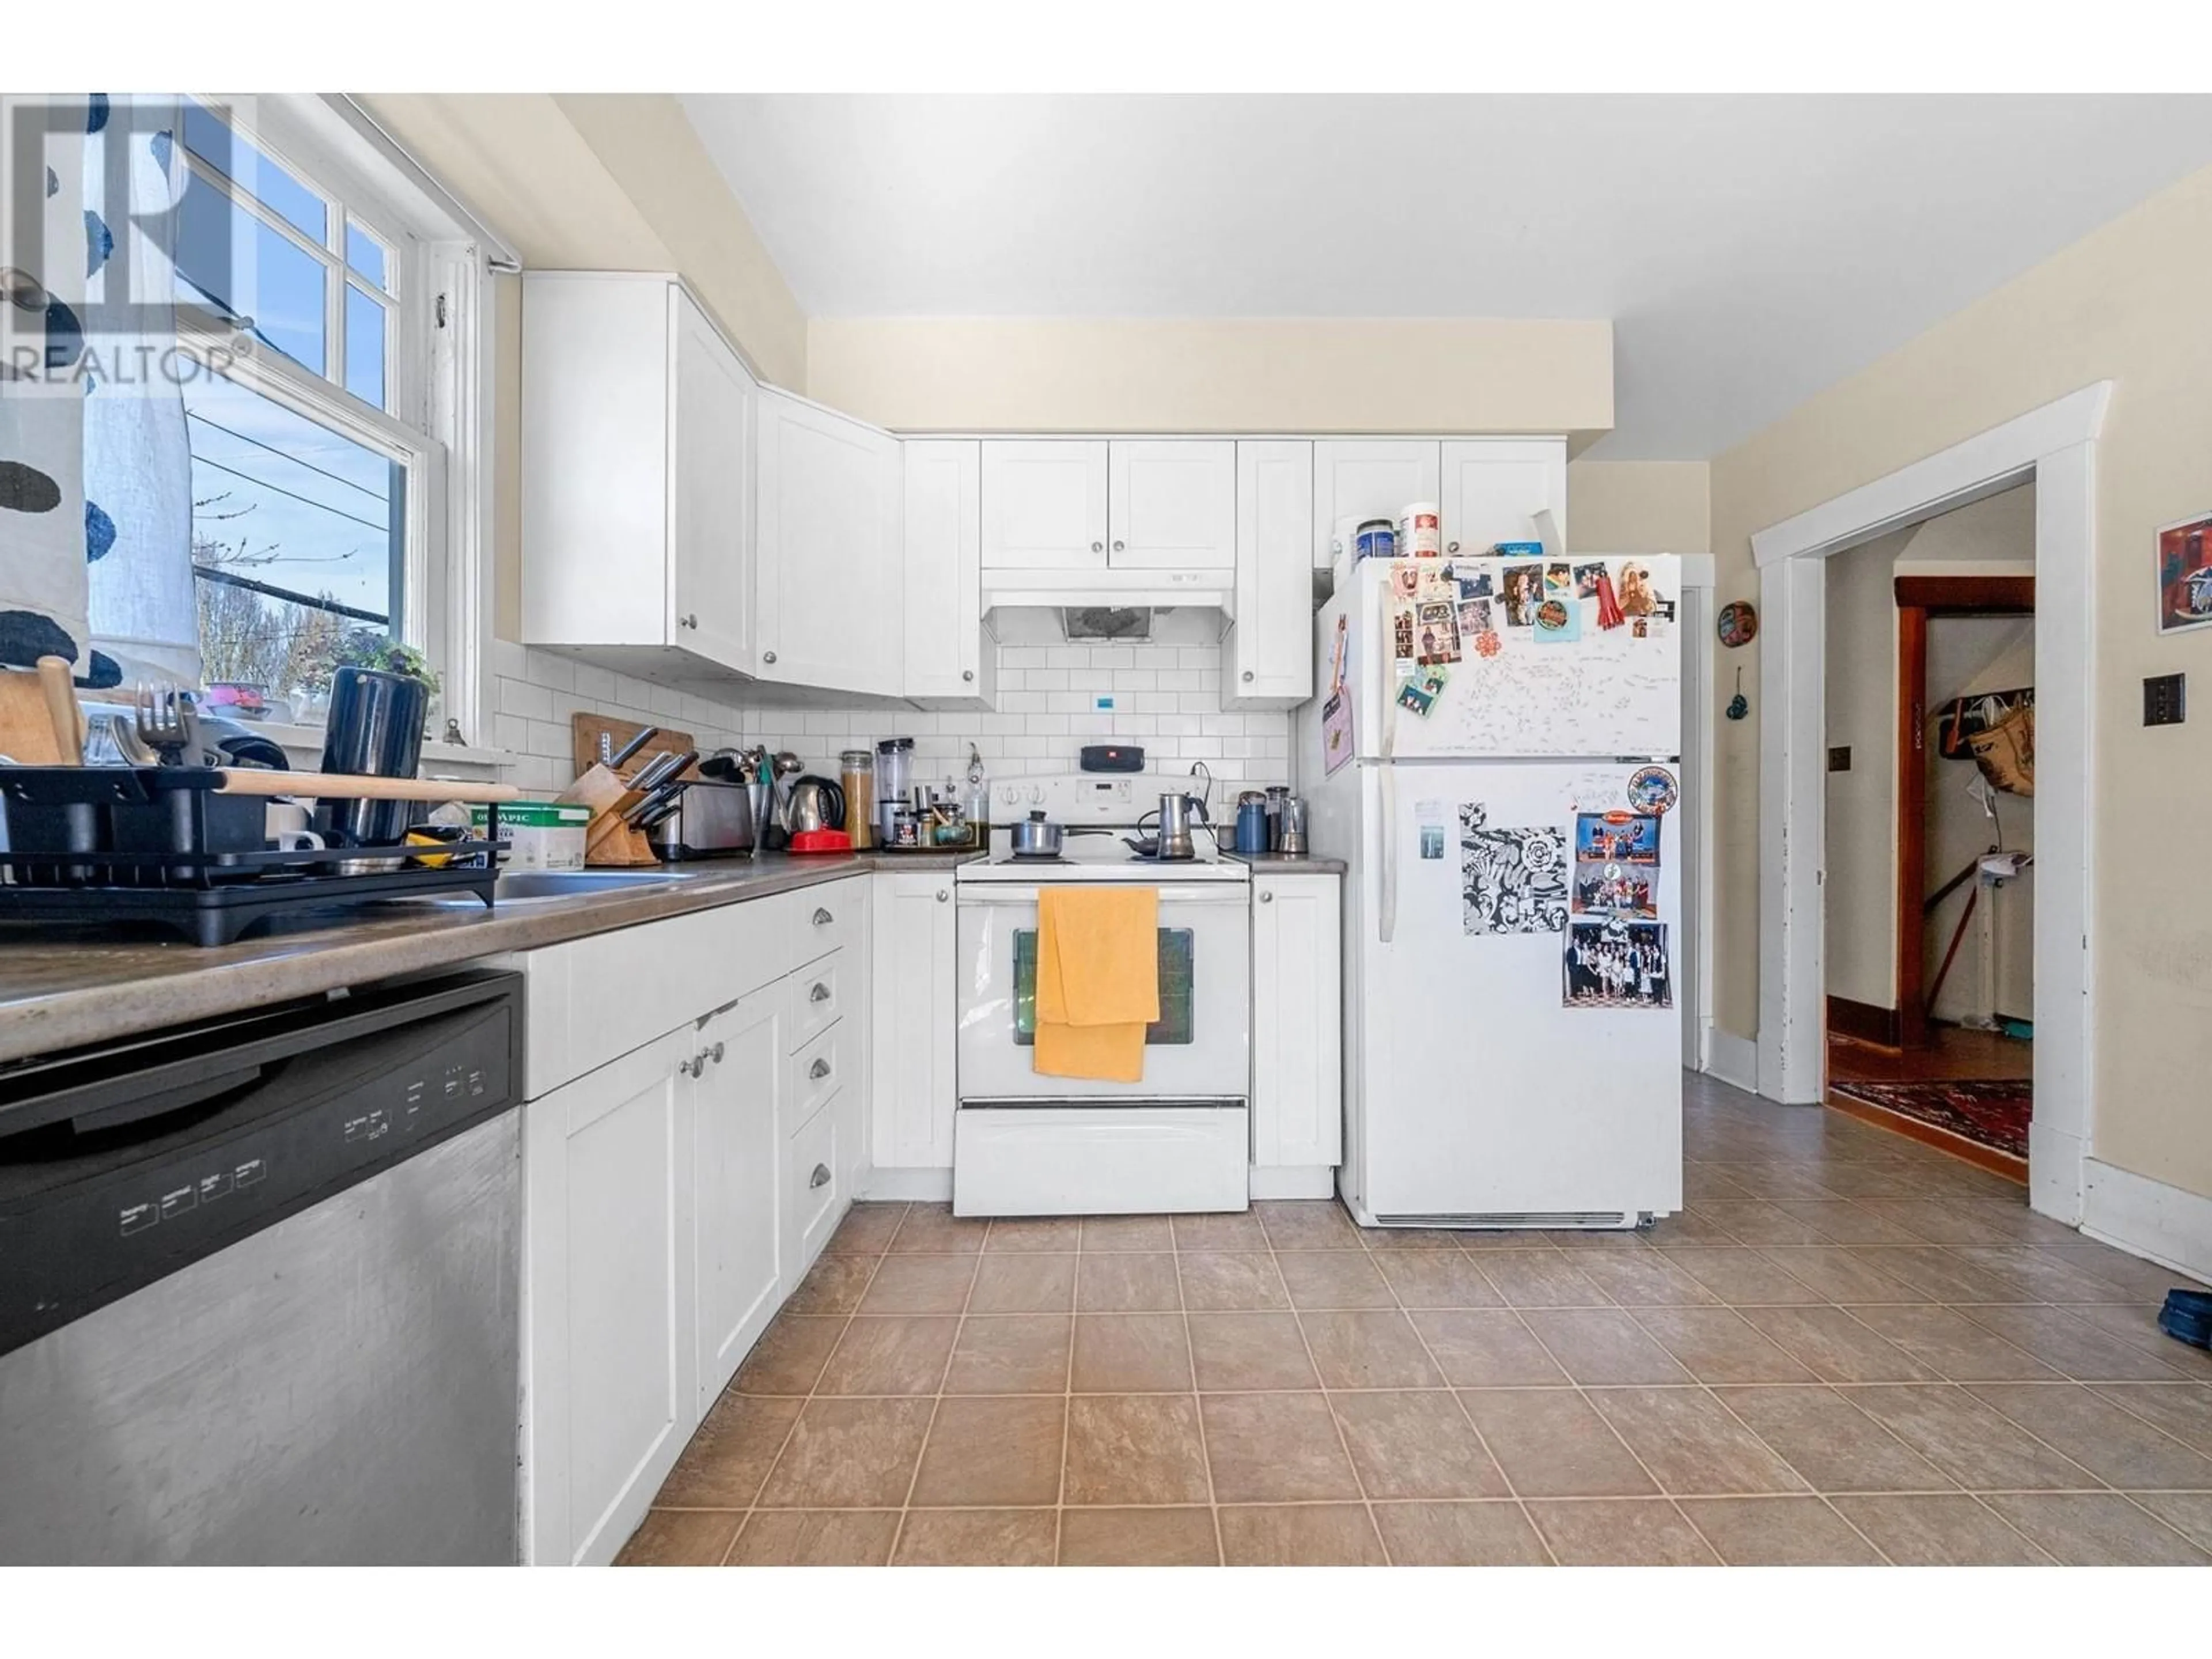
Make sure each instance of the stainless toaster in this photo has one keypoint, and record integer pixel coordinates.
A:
(711, 820)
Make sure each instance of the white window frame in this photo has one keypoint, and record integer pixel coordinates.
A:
(439, 368)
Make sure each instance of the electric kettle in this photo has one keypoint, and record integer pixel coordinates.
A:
(815, 804)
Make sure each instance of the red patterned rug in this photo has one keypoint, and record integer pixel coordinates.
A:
(1988, 1113)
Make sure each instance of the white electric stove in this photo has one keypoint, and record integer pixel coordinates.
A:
(1176, 1139)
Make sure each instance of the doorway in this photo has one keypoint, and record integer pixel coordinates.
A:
(1930, 830)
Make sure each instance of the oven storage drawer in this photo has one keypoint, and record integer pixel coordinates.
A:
(1099, 1160)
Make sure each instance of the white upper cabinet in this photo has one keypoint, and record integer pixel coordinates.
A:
(1044, 504)
(636, 473)
(1171, 504)
(1494, 487)
(1267, 659)
(949, 662)
(711, 516)
(830, 592)
(1368, 478)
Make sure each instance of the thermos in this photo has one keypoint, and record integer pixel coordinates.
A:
(1252, 826)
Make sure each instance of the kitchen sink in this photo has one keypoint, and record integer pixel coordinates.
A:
(569, 883)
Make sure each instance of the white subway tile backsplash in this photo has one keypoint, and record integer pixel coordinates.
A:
(597, 683)
(522, 697)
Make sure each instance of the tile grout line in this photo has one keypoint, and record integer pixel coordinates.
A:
(1421, 1337)
(776, 1462)
(1297, 1319)
(937, 1399)
(1197, 1400)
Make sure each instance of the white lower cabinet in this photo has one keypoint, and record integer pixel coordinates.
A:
(913, 981)
(738, 1090)
(1298, 1031)
(610, 1365)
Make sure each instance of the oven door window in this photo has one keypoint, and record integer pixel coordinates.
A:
(1175, 1025)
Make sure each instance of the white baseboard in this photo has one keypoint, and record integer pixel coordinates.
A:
(2055, 1173)
(1733, 1059)
(2147, 1217)
(1305, 1181)
(910, 1186)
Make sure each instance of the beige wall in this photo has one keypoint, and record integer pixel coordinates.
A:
(2126, 304)
(1290, 374)
(1638, 507)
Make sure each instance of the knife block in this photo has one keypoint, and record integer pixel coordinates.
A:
(607, 840)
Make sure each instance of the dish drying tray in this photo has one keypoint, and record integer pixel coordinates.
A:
(185, 847)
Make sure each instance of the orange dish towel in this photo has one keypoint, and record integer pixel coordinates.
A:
(1098, 979)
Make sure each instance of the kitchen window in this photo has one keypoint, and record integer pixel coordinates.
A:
(338, 431)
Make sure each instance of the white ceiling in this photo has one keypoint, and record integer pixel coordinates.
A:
(1750, 250)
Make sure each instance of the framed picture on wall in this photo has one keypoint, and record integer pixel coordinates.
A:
(2185, 574)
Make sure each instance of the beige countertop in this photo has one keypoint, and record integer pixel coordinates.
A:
(1275, 864)
(62, 988)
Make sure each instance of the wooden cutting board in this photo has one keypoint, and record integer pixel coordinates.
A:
(584, 748)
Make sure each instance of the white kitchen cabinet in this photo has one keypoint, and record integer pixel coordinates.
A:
(637, 476)
(1368, 478)
(1171, 504)
(738, 1089)
(1267, 657)
(950, 662)
(1493, 489)
(1044, 503)
(915, 942)
(1298, 1025)
(830, 589)
(611, 1365)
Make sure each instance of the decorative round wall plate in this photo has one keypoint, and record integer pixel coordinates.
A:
(1652, 789)
(1738, 623)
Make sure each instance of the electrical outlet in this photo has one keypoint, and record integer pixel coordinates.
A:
(1840, 759)
(2165, 699)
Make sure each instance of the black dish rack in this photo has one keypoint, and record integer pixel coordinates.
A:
(162, 844)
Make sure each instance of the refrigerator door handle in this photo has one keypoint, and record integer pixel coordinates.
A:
(1387, 922)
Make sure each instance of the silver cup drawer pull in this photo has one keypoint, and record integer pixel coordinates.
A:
(820, 1177)
(819, 993)
(822, 917)
(818, 1069)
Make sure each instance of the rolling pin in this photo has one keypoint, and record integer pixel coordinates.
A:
(66, 717)
(255, 780)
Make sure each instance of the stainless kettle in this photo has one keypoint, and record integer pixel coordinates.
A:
(815, 804)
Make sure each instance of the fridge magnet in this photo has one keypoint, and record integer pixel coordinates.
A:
(1617, 964)
(1401, 638)
(1609, 611)
(1488, 644)
(1637, 599)
(1587, 577)
(1432, 841)
(1518, 550)
(2184, 575)
(1336, 730)
(1603, 888)
(1418, 695)
(1559, 578)
(1473, 586)
(1653, 789)
(1474, 618)
(1738, 623)
(1617, 838)
(1559, 620)
(1524, 592)
(1405, 579)
(1437, 635)
(1513, 879)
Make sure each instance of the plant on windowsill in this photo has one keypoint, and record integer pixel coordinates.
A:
(366, 648)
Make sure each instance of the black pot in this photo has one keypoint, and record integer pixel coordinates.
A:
(375, 730)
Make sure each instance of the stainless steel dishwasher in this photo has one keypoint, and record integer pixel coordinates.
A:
(259, 1287)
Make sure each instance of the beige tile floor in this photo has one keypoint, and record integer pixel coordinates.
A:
(1848, 1347)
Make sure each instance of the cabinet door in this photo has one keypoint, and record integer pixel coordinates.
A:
(830, 588)
(738, 1059)
(916, 943)
(710, 587)
(1494, 487)
(1297, 1083)
(612, 1362)
(1171, 504)
(945, 653)
(1368, 478)
(1044, 504)
(1270, 647)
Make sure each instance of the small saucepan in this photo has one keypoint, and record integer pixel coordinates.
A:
(1035, 837)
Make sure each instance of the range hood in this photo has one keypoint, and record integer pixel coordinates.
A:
(1096, 606)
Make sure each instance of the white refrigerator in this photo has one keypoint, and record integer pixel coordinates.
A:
(1499, 790)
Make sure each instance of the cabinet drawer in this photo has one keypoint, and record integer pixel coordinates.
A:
(813, 1191)
(825, 918)
(816, 1070)
(817, 998)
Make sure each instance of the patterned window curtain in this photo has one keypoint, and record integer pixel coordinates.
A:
(43, 590)
(137, 462)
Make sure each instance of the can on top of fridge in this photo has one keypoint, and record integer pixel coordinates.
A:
(1420, 532)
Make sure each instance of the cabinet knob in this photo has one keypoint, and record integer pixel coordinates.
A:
(688, 1067)
(942, 895)
(768, 656)
(820, 1177)
(1117, 547)
(819, 993)
(1451, 547)
(689, 619)
(715, 1054)
(969, 675)
(818, 1069)
(1097, 547)
(822, 917)
(1247, 674)
(1266, 897)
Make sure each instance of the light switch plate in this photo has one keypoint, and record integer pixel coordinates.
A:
(2165, 699)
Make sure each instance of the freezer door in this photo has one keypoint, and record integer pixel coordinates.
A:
(1477, 1097)
(1606, 684)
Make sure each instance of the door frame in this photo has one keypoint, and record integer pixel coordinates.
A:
(2055, 446)
(1920, 599)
